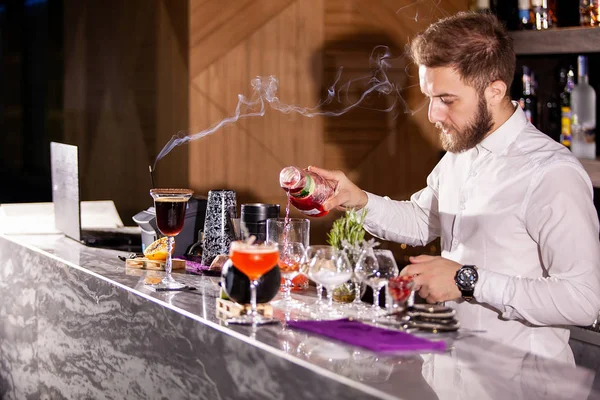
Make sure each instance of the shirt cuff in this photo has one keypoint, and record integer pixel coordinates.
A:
(490, 288)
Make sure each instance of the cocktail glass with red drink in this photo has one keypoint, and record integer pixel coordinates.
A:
(254, 260)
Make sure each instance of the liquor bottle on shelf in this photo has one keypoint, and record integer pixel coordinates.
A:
(528, 100)
(588, 12)
(525, 15)
(583, 102)
(584, 144)
(307, 191)
(551, 6)
(567, 81)
(543, 13)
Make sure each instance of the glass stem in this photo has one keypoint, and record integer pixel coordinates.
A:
(287, 289)
(253, 311)
(376, 291)
(357, 293)
(319, 293)
(329, 297)
(169, 263)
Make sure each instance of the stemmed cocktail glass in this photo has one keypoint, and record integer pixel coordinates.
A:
(291, 257)
(170, 206)
(254, 260)
(311, 252)
(375, 268)
(329, 267)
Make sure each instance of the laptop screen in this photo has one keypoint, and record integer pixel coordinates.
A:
(64, 162)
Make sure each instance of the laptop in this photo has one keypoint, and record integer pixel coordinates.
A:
(64, 162)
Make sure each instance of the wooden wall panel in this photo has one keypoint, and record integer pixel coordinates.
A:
(172, 90)
(304, 43)
(247, 156)
(126, 93)
(139, 71)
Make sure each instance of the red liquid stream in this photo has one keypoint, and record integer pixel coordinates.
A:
(286, 221)
(286, 262)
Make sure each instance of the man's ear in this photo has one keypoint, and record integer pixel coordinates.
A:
(495, 92)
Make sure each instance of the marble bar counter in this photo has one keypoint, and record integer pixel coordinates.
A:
(75, 324)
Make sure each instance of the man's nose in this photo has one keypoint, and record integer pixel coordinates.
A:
(436, 112)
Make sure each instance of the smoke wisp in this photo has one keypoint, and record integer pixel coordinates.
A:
(264, 93)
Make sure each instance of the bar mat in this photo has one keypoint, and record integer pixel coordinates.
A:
(370, 337)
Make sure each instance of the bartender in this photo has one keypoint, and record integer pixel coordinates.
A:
(519, 232)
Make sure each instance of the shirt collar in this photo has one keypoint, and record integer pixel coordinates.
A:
(502, 137)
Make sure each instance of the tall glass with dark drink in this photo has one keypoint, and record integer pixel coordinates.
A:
(170, 214)
(170, 206)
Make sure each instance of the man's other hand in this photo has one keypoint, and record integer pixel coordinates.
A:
(434, 277)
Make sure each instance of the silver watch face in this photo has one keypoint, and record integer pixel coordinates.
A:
(467, 278)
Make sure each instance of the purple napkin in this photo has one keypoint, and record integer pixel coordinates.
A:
(195, 266)
(370, 337)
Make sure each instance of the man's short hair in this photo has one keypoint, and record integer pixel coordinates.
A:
(477, 46)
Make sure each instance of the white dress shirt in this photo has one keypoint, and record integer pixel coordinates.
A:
(519, 207)
(481, 369)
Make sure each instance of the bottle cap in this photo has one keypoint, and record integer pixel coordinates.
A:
(582, 65)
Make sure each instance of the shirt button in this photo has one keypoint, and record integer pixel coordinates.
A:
(462, 207)
(473, 174)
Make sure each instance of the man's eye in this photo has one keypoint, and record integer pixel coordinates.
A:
(445, 101)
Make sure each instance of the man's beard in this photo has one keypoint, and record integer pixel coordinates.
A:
(472, 135)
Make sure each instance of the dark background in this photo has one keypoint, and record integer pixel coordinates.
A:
(32, 84)
(31, 102)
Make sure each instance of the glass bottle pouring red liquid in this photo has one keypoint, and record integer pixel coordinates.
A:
(306, 190)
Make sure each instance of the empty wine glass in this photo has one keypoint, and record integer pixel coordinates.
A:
(330, 267)
(311, 251)
(375, 268)
(357, 305)
(291, 257)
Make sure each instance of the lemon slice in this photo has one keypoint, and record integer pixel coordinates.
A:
(158, 250)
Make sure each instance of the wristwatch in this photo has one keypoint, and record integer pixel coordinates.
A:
(466, 278)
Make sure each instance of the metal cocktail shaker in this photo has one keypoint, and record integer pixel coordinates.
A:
(254, 219)
(218, 225)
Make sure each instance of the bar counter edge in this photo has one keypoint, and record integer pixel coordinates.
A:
(70, 332)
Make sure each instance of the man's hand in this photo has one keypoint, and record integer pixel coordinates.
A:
(347, 194)
(434, 278)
